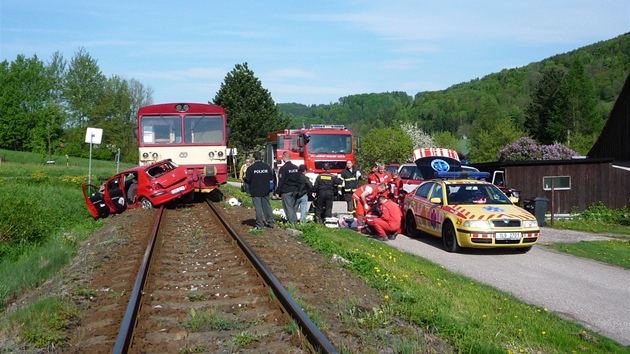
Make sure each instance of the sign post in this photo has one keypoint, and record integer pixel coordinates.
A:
(92, 136)
(117, 160)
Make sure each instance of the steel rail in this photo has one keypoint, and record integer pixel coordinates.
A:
(313, 334)
(126, 329)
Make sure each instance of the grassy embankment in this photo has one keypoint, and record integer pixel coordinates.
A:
(42, 221)
(49, 218)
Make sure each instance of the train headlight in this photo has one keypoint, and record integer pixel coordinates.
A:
(211, 154)
(182, 107)
(220, 153)
(155, 155)
(145, 155)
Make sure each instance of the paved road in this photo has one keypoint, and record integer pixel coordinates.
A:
(589, 292)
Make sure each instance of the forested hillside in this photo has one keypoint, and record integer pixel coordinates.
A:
(563, 99)
(45, 107)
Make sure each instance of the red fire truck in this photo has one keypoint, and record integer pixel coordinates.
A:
(322, 143)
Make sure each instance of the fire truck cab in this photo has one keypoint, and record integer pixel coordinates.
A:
(321, 143)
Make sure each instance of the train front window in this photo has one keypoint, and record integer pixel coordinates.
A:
(161, 130)
(329, 143)
(203, 129)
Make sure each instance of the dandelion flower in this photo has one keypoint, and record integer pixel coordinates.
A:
(544, 332)
(386, 296)
(484, 315)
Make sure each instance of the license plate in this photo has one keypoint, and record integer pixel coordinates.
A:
(508, 236)
(178, 189)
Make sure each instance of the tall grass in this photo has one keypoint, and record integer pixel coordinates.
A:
(43, 218)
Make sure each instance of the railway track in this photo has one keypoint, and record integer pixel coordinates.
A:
(201, 289)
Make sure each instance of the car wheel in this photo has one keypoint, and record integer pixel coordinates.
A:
(146, 203)
(524, 249)
(449, 238)
(410, 225)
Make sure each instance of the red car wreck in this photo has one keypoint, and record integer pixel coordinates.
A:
(143, 186)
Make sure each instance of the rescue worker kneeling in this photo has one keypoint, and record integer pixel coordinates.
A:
(364, 197)
(388, 224)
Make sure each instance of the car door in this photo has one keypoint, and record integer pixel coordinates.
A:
(421, 205)
(95, 201)
(114, 194)
(434, 213)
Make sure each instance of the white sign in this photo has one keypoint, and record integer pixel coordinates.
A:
(93, 135)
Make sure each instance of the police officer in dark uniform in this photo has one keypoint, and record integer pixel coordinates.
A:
(288, 185)
(258, 177)
(325, 186)
(350, 176)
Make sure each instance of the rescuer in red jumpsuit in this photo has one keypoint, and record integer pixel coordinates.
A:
(388, 224)
(381, 175)
(363, 197)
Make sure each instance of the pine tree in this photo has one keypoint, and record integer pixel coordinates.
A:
(538, 113)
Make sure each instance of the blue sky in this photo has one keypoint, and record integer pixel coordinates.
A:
(310, 52)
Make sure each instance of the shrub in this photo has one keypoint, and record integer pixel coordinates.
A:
(599, 212)
(526, 149)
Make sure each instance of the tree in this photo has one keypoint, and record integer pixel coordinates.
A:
(419, 138)
(575, 110)
(252, 113)
(386, 145)
(491, 132)
(542, 105)
(24, 94)
(83, 87)
(447, 140)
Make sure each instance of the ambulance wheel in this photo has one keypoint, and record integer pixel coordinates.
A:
(449, 237)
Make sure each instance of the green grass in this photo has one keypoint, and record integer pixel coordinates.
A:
(43, 323)
(60, 160)
(598, 219)
(616, 252)
(42, 222)
(474, 317)
(590, 226)
(209, 319)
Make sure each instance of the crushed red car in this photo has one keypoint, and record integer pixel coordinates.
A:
(143, 186)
